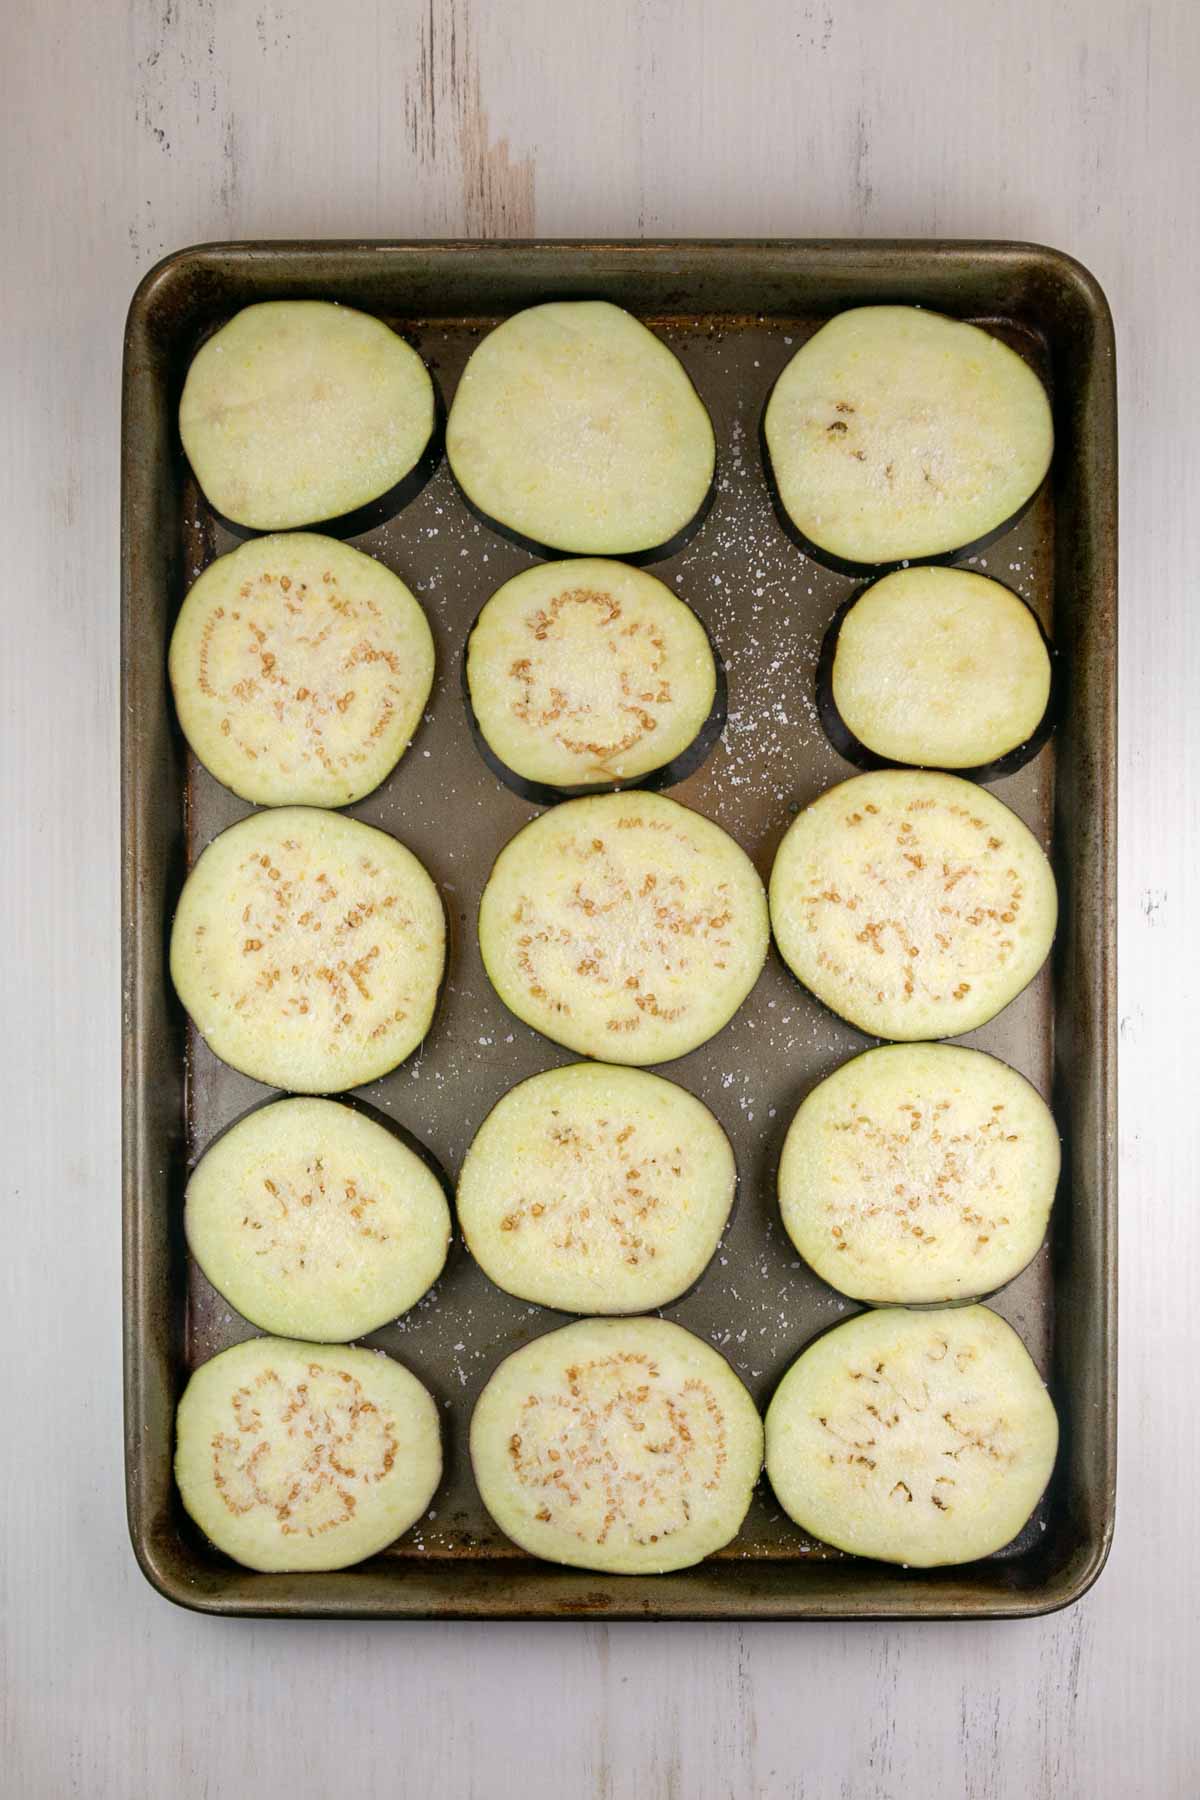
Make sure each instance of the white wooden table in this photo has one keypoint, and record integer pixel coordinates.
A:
(131, 127)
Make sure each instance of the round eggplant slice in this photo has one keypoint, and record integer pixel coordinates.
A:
(897, 433)
(305, 1456)
(919, 1173)
(588, 673)
(596, 1189)
(623, 1445)
(921, 1438)
(308, 950)
(316, 1222)
(300, 669)
(577, 429)
(298, 412)
(624, 926)
(940, 668)
(915, 905)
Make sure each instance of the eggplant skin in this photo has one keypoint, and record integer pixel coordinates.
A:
(854, 751)
(541, 793)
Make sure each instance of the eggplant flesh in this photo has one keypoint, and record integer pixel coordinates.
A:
(896, 434)
(588, 675)
(596, 1189)
(918, 1174)
(316, 1222)
(576, 430)
(302, 413)
(627, 1446)
(937, 668)
(922, 1438)
(300, 670)
(308, 949)
(914, 904)
(305, 1456)
(625, 926)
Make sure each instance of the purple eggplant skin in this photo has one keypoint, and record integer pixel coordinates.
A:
(541, 793)
(848, 745)
(638, 559)
(372, 513)
(860, 571)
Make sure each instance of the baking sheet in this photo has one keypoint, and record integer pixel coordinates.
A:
(766, 607)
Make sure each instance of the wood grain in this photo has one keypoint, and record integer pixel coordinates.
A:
(128, 130)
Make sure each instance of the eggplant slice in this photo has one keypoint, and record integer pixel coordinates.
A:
(596, 1189)
(922, 1438)
(914, 904)
(624, 926)
(919, 1173)
(622, 1445)
(305, 1456)
(308, 949)
(300, 412)
(300, 669)
(940, 668)
(578, 430)
(898, 434)
(316, 1222)
(589, 674)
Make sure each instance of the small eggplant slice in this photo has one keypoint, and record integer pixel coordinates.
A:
(316, 1222)
(300, 669)
(623, 1445)
(919, 1173)
(914, 904)
(624, 926)
(305, 1456)
(589, 674)
(940, 668)
(308, 949)
(576, 429)
(596, 1189)
(299, 412)
(922, 1438)
(896, 433)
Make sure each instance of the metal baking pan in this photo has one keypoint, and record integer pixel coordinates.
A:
(733, 311)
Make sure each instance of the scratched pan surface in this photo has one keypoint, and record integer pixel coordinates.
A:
(734, 313)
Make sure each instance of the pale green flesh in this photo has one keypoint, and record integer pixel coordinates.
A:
(622, 1445)
(919, 1173)
(596, 1189)
(305, 1456)
(308, 949)
(624, 926)
(298, 411)
(914, 904)
(300, 670)
(316, 1222)
(895, 432)
(588, 671)
(922, 1438)
(578, 428)
(940, 667)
